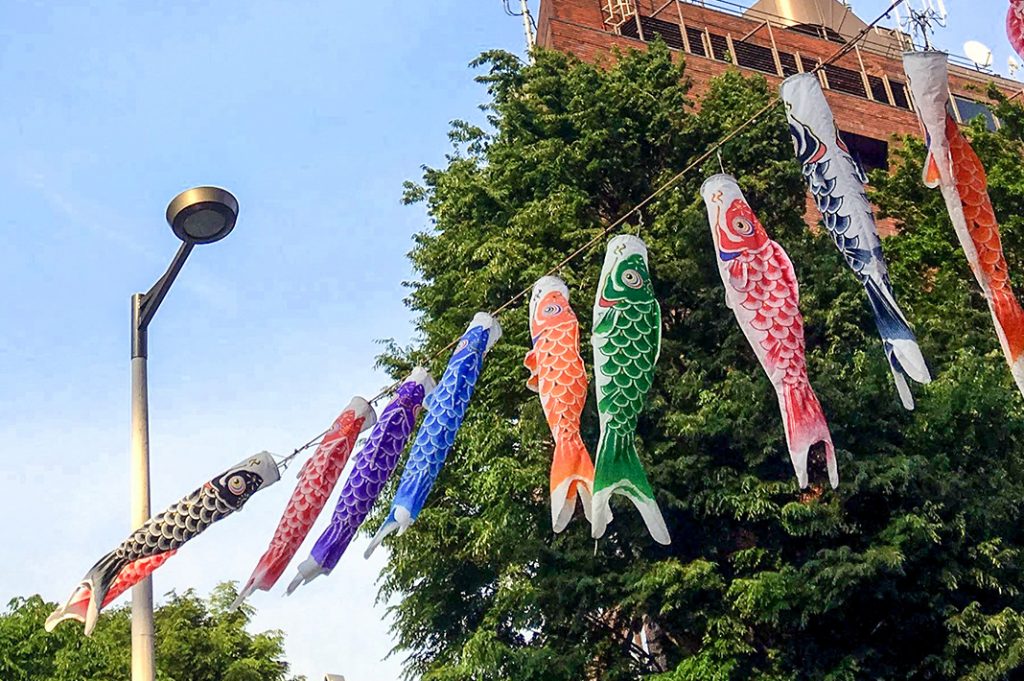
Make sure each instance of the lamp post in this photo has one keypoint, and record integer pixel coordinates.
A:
(197, 216)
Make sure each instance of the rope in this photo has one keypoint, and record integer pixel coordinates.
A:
(715, 149)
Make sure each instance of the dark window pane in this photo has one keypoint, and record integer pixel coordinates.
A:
(899, 94)
(878, 89)
(720, 47)
(788, 61)
(970, 109)
(870, 153)
(668, 31)
(694, 36)
(845, 80)
(754, 57)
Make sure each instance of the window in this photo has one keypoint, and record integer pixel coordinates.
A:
(719, 47)
(845, 80)
(695, 36)
(755, 57)
(970, 109)
(899, 94)
(788, 62)
(870, 153)
(823, 32)
(878, 89)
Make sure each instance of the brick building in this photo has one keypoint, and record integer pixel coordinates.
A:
(866, 88)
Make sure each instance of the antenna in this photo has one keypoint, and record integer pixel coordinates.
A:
(979, 53)
(921, 18)
(528, 25)
(1013, 64)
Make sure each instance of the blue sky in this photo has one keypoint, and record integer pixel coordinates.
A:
(312, 114)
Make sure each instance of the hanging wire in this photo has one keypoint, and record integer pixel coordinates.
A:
(714, 149)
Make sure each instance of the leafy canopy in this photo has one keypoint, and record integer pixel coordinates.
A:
(911, 570)
(196, 640)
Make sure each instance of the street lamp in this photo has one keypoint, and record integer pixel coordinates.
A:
(197, 216)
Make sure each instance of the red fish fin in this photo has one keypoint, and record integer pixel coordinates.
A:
(1010, 328)
(267, 572)
(805, 426)
(572, 474)
(133, 573)
(530, 362)
(931, 175)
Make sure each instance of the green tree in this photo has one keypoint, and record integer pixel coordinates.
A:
(196, 640)
(910, 570)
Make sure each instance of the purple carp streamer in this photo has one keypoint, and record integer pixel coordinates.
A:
(164, 534)
(374, 464)
(837, 183)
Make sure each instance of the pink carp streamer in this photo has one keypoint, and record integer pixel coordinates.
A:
(317, 479)
(762, 291)
(1015, 25)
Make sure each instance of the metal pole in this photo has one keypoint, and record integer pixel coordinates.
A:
(144, 306)
(143, 659)
(524, 9)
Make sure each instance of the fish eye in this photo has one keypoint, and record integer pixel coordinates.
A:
(551, 310)
(236, 484)
(632, 279)
(743, 226)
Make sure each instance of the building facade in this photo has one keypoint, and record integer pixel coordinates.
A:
(866, 88)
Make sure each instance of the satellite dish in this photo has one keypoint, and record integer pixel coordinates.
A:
(1014, 65)
(978, 53)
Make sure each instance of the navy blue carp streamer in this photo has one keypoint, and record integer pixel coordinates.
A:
(446, 407)
(161, 536)
(837, 186)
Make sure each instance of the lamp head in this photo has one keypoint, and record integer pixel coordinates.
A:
(202, 215)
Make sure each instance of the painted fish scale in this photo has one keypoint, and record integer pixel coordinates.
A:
(561, 380)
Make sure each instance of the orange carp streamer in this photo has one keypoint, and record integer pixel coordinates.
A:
(955, 169)
(558, 375)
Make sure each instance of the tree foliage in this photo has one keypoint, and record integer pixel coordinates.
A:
(910, 570)
(196, 640)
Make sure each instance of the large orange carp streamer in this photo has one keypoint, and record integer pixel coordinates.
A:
(955, 169)
(558, 375)
(317, 479)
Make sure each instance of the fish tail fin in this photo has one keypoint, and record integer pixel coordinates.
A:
(930, 174)
(398, 520)
(87, 599)
(572, 475)
(901, 349)
(272, 564)
(309, 570)
(619, 471)
(806, 426)
(1009, 318)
